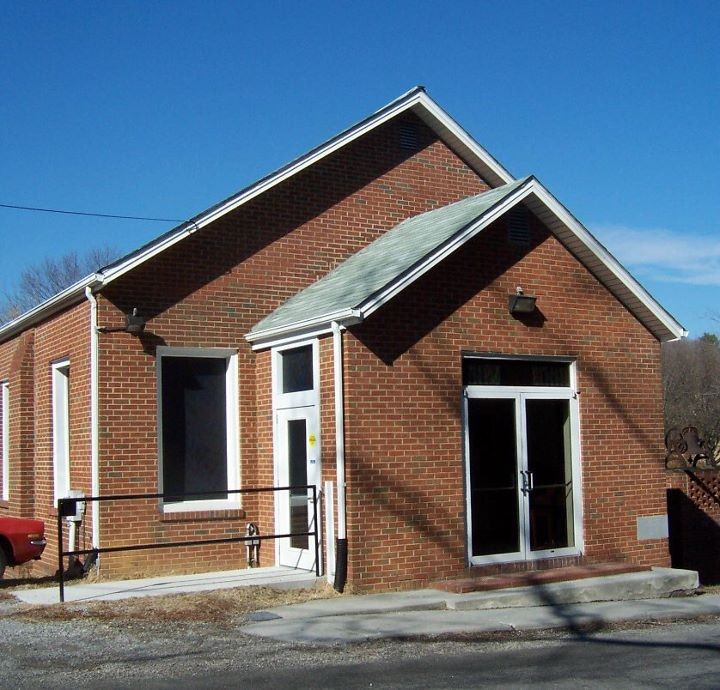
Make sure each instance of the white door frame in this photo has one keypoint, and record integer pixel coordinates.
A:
(288, 407)
(520, 394)
(288, 553)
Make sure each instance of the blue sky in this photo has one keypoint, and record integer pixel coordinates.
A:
(163, 108)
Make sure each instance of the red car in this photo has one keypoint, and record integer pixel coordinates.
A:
(21, 540)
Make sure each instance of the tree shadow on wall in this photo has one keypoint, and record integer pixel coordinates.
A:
(183, 269)
(437, 296)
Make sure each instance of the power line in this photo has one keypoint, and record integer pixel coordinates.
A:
(87, 213)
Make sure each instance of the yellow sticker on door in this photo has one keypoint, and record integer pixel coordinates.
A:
(312, 440)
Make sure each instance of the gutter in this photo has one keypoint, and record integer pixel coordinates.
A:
(273, 336)
(69, 296)
(94, 418)
(341, 553)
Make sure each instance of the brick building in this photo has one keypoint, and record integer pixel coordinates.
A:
(361, 320)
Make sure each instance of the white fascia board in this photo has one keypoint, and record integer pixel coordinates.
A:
(441, 253)
(263, 186)
(141, 256)
(493, 165)
(319, 325)
(674, 328)
(70, 295)
(413, 99)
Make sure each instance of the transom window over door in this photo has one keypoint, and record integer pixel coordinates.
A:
(522, 459)
(197, 405)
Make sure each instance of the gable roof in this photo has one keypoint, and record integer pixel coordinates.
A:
(367, 280)
(415, 101)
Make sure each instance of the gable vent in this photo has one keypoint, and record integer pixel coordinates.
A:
(518, 227)
(409, 138)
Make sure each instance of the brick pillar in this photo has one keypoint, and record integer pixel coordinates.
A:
(22, 419)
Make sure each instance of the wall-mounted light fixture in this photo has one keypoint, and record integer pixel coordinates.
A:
(134, 323)
(520, 303)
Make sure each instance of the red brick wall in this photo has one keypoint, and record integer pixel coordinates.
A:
(406, 510)
(403, 379)
(211, 288)
(26, 362)
(16, 368)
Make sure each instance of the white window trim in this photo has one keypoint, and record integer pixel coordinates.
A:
(232, 423)
(301, 398)
(61, 428)
(5, 392)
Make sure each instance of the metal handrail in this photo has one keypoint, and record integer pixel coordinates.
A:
(67, 506)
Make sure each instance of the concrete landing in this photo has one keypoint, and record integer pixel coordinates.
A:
(580, 619)
(473, 581)
(647, 584)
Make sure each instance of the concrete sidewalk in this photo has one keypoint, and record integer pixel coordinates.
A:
(579, 605)
(81, 590)
(342, 628)
(576, 605)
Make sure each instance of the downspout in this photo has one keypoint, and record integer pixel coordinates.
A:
(94, 417)
(341, 552)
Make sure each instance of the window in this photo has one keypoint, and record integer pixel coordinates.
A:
(197, 416)
(61, 428)
(478, 371)
(5, 438)
(297, 369)
(295, 374)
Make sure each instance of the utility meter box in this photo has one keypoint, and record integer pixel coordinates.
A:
(79, 512)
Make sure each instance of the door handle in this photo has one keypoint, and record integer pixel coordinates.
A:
(527, 481)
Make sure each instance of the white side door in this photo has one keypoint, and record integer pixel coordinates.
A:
(298, 465)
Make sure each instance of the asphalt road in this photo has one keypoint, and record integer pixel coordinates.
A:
(681, 656)
(81, 654)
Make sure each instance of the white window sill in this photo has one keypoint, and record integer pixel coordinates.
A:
(200, 506)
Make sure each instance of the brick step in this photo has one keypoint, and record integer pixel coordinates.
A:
(485, 583)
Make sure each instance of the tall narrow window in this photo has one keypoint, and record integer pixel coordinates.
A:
(61, 428)
(198, 418)
(5, 438)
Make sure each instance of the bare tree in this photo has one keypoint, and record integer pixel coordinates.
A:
(50, 276)
(691, 380)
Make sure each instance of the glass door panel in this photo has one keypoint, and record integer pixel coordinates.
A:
(297, 464)
(493, 465)
(549, 473)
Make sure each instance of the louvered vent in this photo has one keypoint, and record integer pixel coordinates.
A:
(518, 227)
(409, 138)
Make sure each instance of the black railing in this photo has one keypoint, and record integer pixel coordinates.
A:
(68, 506)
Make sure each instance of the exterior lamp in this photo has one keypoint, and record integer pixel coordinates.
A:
(520, 303)
(134, 323)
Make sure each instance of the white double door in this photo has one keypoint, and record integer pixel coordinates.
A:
(297, 458)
